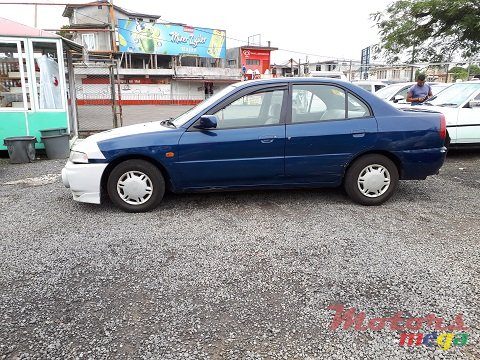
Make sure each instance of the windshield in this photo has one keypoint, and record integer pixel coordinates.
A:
(455, 95)
(389, 91)
(436, 88)
(182, 119)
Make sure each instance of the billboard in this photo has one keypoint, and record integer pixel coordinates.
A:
(170, 39)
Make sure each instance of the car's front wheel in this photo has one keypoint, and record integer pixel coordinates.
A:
(371, 179)
(136, 186)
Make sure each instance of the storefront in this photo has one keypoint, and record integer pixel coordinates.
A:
(32, 82)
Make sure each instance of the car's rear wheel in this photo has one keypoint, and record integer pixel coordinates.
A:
(371, 179)
(136, 186)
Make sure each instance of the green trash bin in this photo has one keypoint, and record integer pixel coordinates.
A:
(21, 149)
(57, 145)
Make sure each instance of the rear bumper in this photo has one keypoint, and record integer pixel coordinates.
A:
(418, 164)
(84, 180)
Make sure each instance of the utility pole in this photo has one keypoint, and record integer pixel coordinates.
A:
(35, 17)
(112, 26)
(412, 72)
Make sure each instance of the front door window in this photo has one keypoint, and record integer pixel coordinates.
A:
(257, 109)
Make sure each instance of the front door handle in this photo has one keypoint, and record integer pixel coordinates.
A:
(358, 133)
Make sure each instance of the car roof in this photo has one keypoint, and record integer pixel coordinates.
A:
(293, 80)
(369, 82)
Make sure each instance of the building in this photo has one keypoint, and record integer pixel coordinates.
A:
(254, 61)
(350, 69)
(158, 62)
(393, 73)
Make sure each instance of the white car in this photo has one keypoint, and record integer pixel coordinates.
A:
(329, 74)
(460, 103)
(397, 93)
(370, 85)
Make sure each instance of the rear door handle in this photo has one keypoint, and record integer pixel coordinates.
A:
(267, 139)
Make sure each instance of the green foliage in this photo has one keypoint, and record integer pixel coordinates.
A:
(474, 70)
(65, 34)
(459, 73)
(429, 30)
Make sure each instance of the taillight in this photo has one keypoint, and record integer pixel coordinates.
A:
(443, 127)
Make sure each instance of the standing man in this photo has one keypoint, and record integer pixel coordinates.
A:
(419, 92)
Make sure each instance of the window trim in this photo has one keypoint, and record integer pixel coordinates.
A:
(93, 35)
(241, 93)
(343, 89)
(61, 74)
(17, 42)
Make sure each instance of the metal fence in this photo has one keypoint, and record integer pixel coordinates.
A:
(97, 93)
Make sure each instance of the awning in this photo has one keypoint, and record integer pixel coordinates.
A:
(12, 28)
(72, 45)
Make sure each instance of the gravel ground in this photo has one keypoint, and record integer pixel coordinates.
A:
(240, 275)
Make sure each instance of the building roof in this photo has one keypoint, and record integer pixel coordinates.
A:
(69, 10)
(12, 28)
(87, 26)
(256, 47)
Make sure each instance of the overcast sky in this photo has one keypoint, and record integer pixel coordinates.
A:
(317, 29)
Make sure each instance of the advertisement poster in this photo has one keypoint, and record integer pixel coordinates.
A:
(170, 39)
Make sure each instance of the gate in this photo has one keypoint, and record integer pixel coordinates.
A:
(97, 93)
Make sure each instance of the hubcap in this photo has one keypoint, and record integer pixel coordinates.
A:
(374, 180)
(134, 187)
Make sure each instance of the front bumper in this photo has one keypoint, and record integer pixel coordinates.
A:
(84, 180)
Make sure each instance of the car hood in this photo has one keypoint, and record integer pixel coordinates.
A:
(143, 128)
(90, 144)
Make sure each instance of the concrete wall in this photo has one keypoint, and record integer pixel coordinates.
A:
(208, 73)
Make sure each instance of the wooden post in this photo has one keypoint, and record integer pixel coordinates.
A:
(112, 26)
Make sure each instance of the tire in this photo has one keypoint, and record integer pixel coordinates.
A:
(371, 180)
(136, 186)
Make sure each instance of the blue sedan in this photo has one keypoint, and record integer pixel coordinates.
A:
(271, 133)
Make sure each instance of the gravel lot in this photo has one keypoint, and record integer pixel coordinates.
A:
(241, 275)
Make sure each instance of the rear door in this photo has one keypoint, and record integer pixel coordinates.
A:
(329, 125)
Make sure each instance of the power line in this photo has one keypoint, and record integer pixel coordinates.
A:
(164, 21)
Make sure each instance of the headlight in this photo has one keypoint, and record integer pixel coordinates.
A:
(78, 157)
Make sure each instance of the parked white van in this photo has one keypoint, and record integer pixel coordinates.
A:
(329, 74)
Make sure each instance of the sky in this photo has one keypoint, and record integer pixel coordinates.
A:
(317, 30)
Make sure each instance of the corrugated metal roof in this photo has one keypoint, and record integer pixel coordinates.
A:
(12, 28)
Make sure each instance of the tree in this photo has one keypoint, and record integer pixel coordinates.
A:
(459, 73)
(429, 30)
(474, 70)
(65, 33)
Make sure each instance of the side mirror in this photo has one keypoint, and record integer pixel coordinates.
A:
(474, 103)
(398, 98)
(206, 122)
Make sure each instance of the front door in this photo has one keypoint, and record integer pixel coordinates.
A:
(247, 147)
